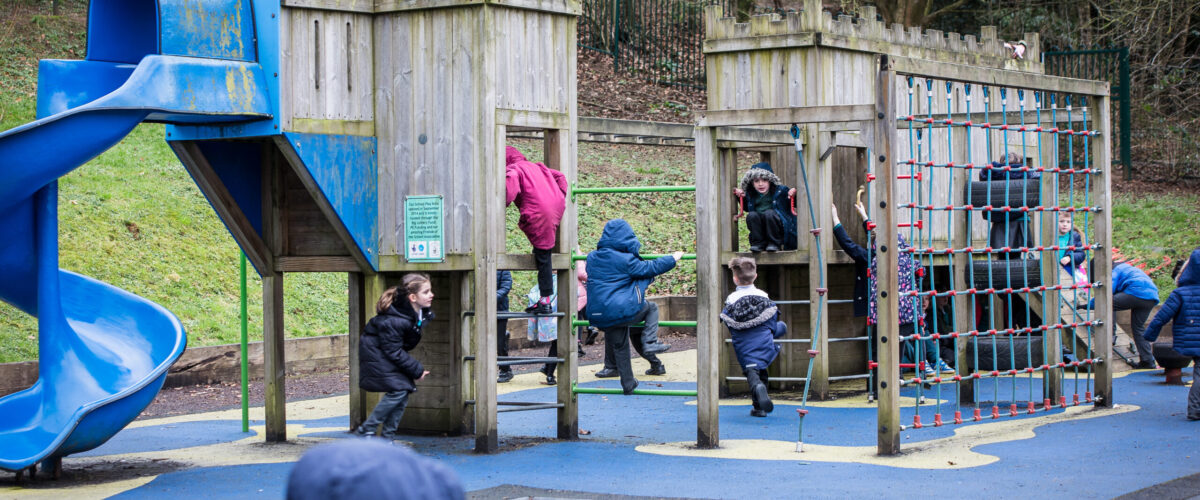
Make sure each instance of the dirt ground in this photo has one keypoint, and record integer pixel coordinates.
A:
(211, 397)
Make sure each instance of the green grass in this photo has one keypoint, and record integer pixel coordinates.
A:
(1154, 226)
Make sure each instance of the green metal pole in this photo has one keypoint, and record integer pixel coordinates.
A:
(680, 324)
(245, 354)
(637, 392)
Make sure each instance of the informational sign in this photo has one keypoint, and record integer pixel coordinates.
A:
(423, 232)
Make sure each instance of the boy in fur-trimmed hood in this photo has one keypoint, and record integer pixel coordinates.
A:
(753, 321)
(768, 209)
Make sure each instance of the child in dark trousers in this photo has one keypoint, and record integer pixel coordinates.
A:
(769, 214)
(1182, 309)
(753, 322)
(503, 286)
(541, 195)
(384, 363)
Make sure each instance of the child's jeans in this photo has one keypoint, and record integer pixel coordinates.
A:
(649, 314)
(766, 228)
(387, 412)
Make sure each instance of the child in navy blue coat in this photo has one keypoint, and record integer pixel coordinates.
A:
(1182, 309)
(753, 321)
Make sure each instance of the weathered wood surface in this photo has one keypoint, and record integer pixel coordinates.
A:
(274, 359)
(326, 65)
(1101, 192)
(888, 421)
(709, 331)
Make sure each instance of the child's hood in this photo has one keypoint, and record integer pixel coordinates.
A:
(748, 312)
(512, 155)
(758, 171)
(618, 235)
(1191, 272)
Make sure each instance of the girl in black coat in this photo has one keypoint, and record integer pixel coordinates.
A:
(384, 363)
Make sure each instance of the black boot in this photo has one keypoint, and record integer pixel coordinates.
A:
(758, 391)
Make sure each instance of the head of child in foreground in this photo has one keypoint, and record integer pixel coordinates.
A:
(761, 185)
(744, 270)
(416, 286)
(1065, 222)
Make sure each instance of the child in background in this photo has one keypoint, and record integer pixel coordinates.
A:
(753, 322)
(384, 363)
(1070, 261)
(1134, 291)
(540, 194)
(769, 215)
(617, 284)
(587, 334)
(503, 286)
(1182, 309)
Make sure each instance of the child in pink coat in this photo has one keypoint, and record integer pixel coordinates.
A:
(541, 195)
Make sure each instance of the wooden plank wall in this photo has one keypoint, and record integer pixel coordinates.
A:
(326, 65)
(428, 102)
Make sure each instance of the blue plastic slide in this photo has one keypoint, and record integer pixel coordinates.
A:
(103, 352)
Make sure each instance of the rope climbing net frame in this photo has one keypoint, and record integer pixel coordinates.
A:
(980, 237)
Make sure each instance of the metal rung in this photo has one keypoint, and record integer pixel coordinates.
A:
(849, 339)
(806, 302)
(848, 377)
(781, 341)
(518, 315)
(771, 379)
(520, 360)
(547, 406)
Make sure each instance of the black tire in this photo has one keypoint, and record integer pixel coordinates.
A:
(1012, 193)
(1015, 273)
(1022, 349)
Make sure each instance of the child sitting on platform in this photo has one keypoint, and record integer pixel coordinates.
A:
(541, 195)
(768, 212)
(753, 322)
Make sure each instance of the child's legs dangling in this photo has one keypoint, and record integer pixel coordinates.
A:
(545, 272)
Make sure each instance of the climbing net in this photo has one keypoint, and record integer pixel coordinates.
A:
(974, 164)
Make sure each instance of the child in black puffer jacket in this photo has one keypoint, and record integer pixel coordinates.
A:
(384, 361)
(753, 321)
(1182, 309)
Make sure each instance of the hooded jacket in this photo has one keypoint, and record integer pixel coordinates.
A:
(1133, 281)
(503, 286)
(753, 322)
(365, 468)
(779, 195)
(1182, 308)
(618, 277)
(862, 263)
(540, 194)
(384, 362)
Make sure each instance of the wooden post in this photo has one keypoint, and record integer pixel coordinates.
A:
(357, 303)
(708, 286)
(888, 313)
(964, 315)
(488, 235)
(274, 364)
(726, 165)
(1101, 153)
(1051, 306)
(558, 157)
(821, 189)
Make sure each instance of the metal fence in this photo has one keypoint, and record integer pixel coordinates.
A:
(1111, 65)
(658, 40)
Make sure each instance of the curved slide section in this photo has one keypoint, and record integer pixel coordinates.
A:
(103, 352)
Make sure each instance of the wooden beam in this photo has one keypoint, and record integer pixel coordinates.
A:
(360, 6)
(337, 127)
(888, 299)
(396, 263)
(765, 42)
(1101, 153)
(524, 261)
(357, 301)
(525, 119)
(822, 191)
(786, 116)
(999, 77)
(224, 204)
(274, 364)
(317, 264)
(708, 286)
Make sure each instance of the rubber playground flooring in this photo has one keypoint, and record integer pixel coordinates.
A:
(642, 446)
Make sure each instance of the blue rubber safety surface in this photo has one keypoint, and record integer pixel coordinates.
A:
(1089, 457)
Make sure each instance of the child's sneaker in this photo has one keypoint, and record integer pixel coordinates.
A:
(943, 367)
(656, 348)
(929, 371)
(540, 308)
(757, 413)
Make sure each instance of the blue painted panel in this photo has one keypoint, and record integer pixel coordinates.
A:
(344, 168)
(239, 165)
(222, 29)
(266, 26)
(122, 30)
(64, 85)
